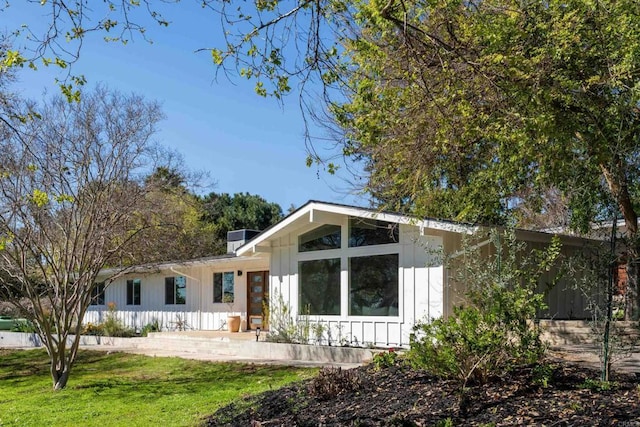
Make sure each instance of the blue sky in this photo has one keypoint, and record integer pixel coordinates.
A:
(246, 143)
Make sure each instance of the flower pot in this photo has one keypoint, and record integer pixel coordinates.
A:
(233, 323)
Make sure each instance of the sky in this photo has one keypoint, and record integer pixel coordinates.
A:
(246, 143)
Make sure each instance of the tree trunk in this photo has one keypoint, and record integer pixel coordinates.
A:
(60, 380)
(61, 358)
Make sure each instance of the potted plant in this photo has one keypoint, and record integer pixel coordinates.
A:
(233, 321)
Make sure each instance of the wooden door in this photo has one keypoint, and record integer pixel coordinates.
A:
(257, 294)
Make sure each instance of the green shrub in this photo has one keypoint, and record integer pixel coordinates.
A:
(385, 359)
(113, 327)
(495, 330)
(22, 325)
(153, 326)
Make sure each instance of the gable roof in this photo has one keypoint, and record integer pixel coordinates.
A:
(316, 212)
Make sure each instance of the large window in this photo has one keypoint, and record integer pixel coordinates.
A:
(97, 294)
(133, 291)
(373, 285)
(367, 232)
(223, 287)
(321, 238)
(175, 290)
(319, 286)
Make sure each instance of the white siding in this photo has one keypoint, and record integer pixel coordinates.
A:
(420, 279)
(199, 312)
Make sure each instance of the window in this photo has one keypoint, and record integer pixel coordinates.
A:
(319, 286)
(366, 232)
(223, 287)
(175, 290)
(321, 238)
(373, 285)
(97, 294)
(133, 292)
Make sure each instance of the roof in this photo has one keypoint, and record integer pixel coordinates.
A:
(167, 265)
(316, 212)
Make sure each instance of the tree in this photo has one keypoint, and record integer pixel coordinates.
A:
(242, 210)
(72, 202)
(189, 236)
(493, 100)
(455, 107)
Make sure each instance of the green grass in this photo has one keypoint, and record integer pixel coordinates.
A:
(126, 389)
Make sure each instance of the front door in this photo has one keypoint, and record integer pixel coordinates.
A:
(258, 291)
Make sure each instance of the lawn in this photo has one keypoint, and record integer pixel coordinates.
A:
(126, 389)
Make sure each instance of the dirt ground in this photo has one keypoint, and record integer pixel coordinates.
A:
(401, 396)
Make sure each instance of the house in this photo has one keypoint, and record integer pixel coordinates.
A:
(367, 276)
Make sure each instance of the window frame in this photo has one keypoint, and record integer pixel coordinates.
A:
(132, 286)
(351, 282)
(345, 252)
(301, 306)
(171, 290)
(98, 295)
(222, 287)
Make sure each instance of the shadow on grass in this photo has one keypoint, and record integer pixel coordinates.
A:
(121, 374)
(154, 377)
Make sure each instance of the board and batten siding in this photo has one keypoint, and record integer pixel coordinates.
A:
(562, 299)
(199, 311)
(420, 278)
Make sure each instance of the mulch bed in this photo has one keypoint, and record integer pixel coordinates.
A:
(401, 396)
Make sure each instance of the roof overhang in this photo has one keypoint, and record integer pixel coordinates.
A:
(327, 213)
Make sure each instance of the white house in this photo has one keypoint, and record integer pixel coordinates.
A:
(366, 275)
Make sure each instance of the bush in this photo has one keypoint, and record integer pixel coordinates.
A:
(495, 330)
(92, 329)
(284, 328)
(385, 359)
(23, 325)
(330, 382)
(153, 326)
(113, 327)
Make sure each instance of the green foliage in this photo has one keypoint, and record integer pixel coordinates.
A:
(93, 329)
(282, 325)
(542, 374)
(385, 359)
(496, 101)
(133, 390)
(597, 385)
(23, 325)
(494, 331)
(112, 326)
(447, 422)
(153, 326)
(226, 212)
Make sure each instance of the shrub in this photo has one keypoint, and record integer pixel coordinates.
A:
(92, 329)
(330, 382)
(385, 359)
(22, 325)
(113, 327)
(495, 330)
(153, 326)
(284, 328)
